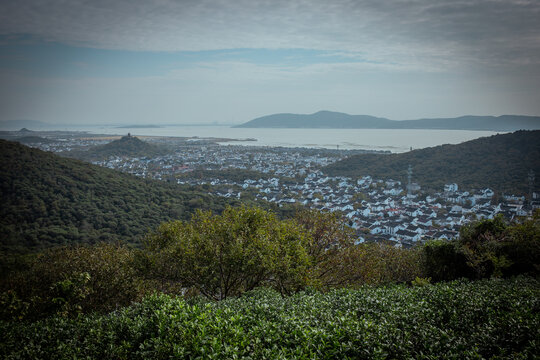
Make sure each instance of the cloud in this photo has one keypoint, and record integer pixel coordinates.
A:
(231, 60)
(442, 33)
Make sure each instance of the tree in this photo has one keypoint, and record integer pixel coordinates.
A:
(329, 238)
(486, 248)
(482, 242)
(224, 255)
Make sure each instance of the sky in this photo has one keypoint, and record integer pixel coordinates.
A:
(227, 62)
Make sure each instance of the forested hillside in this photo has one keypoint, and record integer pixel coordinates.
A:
(49, 200)
(500, 162)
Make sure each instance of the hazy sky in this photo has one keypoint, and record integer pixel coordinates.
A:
(229, 61)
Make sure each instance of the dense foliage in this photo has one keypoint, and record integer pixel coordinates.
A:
(55, 304)
(500, 162)
(225, 255)
(72, 280)
(217, 256)
(486, 248)
(48, 200)
(458, 320)
(228, 254)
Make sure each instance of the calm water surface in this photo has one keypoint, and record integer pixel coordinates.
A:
(394, 140)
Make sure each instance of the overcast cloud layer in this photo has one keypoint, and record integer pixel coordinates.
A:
(399, 59)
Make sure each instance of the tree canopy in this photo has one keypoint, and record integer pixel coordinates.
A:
(228, 254)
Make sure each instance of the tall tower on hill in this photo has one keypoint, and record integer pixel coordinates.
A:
(409, 183)
(530, 177)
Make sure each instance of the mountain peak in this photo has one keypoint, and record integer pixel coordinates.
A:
(125, 146)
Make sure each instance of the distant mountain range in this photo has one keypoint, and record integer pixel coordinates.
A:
(147, 126)
(500, 162)
(31, 124)
(336, 120)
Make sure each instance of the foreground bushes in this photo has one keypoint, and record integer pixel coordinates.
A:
(71, 280)
(225, 255)
(465, 320)
(486, 248)
(217, 256)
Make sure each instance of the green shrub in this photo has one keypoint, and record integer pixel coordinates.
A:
(225, 255)
(421, 281)
(443, 260)
(486, 248)
(371, 263)
(71, 280)
(457, 320)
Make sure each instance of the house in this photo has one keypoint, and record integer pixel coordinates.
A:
(424, 220)
(364, 211)
(392, 226)
(414, 229)
(514, 198)
(450, 188)
(392, 183)
(453, 220)
(366, 180)
(376, 229)
(412, 211)
(393, 191)
(407, 235)
(487, 193)
(456, 209)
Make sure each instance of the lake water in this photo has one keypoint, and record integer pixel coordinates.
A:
(394, 140)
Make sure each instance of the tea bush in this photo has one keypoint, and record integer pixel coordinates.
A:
(457, 320)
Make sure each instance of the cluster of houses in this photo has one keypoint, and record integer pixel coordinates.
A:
(383, 211)
(280, 162)
(379, 210)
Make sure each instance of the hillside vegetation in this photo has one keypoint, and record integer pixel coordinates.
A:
(458, 320)
(49, 200)
(500, 162)
(219, 256)
(245, 284)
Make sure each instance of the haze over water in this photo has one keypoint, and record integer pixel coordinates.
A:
(394, 140)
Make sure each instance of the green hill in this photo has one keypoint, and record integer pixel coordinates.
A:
(500, 162)
(49, 200)
(130, 146)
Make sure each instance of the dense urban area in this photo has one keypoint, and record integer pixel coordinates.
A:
(396, 211)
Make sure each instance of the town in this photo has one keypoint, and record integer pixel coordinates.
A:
(394, 211)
